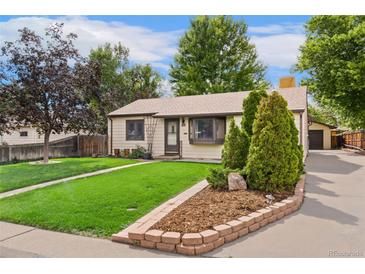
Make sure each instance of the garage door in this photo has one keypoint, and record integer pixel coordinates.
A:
(316, 139)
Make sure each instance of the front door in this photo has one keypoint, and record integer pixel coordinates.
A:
(172, 139)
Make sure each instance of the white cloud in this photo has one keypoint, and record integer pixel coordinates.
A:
(277, 44)
(278, 50)
(160, 65)
(146, 45)
(165, 89)
(276, 29)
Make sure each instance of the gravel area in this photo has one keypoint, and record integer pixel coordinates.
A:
(210, 207)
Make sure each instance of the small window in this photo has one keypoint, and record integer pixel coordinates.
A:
(135, 130)
(207, 130)
(23, 133)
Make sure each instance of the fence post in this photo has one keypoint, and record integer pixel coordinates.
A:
(78, 145)
(9, 154)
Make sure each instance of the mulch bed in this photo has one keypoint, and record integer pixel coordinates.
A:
(210, 207)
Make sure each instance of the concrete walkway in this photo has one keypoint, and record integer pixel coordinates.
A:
(18, 241)
(332, 219)
(64, 180)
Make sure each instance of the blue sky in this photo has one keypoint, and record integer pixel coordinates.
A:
(154, 39)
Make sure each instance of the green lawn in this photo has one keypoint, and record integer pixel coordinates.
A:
(24, 174)
(98, 205)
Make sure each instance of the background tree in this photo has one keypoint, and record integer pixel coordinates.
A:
(273, 163)
(249, 106)
(235, 148)
(5, 104)
(334, 58)
(106, 89)
(41, 80)
(215, 55)
(142, 82)
(118, 83)
(324, 115)
(5, 124)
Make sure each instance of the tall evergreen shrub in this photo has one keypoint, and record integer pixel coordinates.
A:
(273, 163)
(295, 144)
(235, 149)
(249, 108)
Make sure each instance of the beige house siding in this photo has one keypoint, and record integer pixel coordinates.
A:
(305, 133)
(118, 140)
(33, 137)
(117, 137)
(326, 133)
(202, 151)
(300, 120)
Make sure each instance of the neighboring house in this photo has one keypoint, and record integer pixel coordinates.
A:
(191, 126)
(29, 135)
(321, 135)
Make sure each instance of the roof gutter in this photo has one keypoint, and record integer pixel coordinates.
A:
(132, 114)
(197, 114)
(156, 115)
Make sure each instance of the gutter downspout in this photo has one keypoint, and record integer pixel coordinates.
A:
(301, 129)
(111, 136)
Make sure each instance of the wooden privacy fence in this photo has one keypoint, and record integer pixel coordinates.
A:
(74, 146)
(92, 145)
(354, 139)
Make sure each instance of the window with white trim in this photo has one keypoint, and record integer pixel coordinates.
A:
(207, 130)
(135, 130)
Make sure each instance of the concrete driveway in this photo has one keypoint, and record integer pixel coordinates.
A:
(331, 223)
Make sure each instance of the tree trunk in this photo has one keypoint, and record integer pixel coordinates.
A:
(46, 147)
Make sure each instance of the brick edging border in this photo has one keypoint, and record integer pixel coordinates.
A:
(191, 244)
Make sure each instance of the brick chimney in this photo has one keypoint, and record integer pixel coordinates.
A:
(287, 82)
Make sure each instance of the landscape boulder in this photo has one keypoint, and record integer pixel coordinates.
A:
(236, 182)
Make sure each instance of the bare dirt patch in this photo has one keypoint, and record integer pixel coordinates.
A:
(210, 207)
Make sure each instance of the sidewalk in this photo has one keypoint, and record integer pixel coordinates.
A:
(19, 241)
(64, 180)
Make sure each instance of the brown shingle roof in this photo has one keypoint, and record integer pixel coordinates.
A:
(215, 104)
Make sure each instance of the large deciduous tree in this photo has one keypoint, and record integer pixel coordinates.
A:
(5, 118)
(107, 91)
(118, 83)
(142, 82)
(5, 104)
(333, 55)
(323, 115)
(215, 55)
(41, 80)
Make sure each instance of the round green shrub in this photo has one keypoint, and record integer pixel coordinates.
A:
(218, 178)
